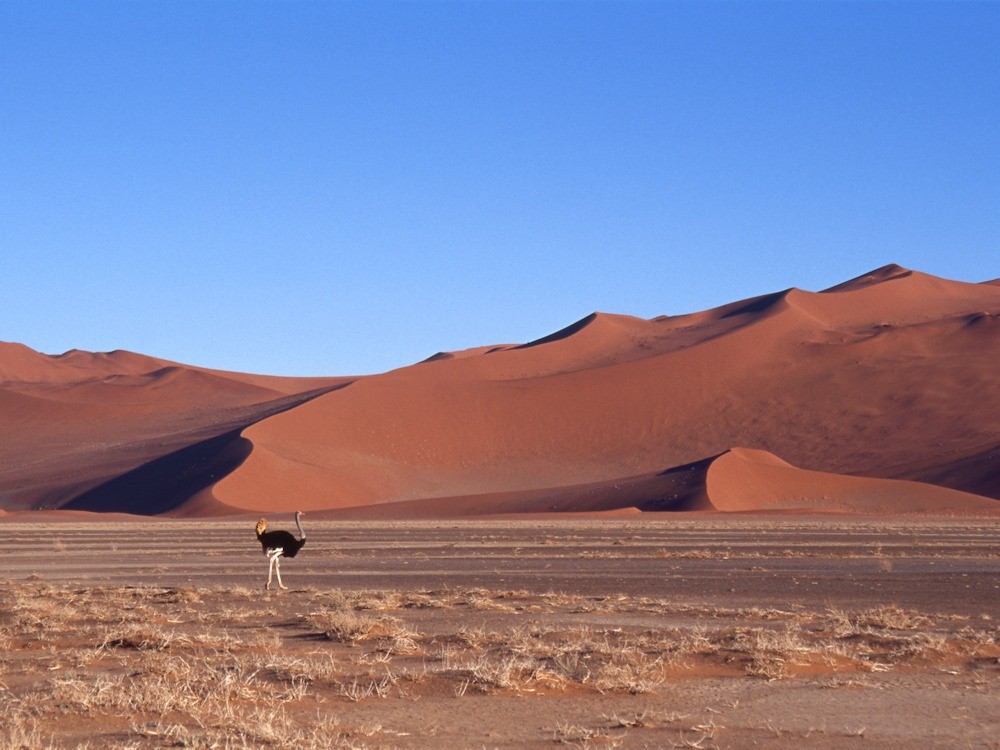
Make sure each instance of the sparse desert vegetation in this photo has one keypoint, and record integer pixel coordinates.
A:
(111, 664)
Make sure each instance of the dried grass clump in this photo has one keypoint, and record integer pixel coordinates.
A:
(35, 613)
(504, 671)
(519, 639)
(919, 645)
(767, 651)
(378, 601)
(363, 687)
(586, 738)
(295, 669)
(205, 691)
(571, 666)
(348, 626)
(399, 640)
(423, 600)
(225, 641)
(180, 595)
(483, 599)
(140, 637)
(846, 624)
(609, 661)
(697, 641)
(631, 671)
(18, 727)
(250, 727)
(334, 600)
(343, 626)
(884, 635)
(494, 670)
(890, 618)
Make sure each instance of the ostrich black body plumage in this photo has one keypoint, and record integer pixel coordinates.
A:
(278, 544)
(282, 540)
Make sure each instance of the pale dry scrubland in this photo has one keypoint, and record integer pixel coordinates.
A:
(106, 664)
(189, 667)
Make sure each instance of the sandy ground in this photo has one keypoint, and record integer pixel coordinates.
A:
(634, 633)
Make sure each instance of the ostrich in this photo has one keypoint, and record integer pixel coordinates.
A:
(278, 544)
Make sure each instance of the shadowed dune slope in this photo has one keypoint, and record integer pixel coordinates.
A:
(976, 471)
(893, 369)
(78, 428)
(154, 487)
(682, 488)
(892, 375)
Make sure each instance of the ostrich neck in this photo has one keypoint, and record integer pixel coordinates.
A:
(299, 524)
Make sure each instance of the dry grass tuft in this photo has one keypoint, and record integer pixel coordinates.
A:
(586, 738)
(347, 626)
(844, 624)
(361, 688)
(18, 728)
(343, 626)
(768, 651)
(140, 637)
(631, 671)
(891, 618)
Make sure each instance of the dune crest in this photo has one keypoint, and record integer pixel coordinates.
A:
(878, 276)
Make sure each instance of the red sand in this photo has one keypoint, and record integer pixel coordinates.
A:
(891, 376)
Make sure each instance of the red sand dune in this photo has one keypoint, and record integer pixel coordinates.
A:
(78, 421)
(891, 376)
(745, 480)
(739, 480)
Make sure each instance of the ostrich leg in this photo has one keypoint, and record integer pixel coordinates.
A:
(277, 570)
(272, 556)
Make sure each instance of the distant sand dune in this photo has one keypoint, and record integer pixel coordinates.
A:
(889, 376)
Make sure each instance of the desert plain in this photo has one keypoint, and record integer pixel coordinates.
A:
(683, 632)
(769, 524)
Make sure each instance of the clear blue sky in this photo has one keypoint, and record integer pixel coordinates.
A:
(344, 188)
